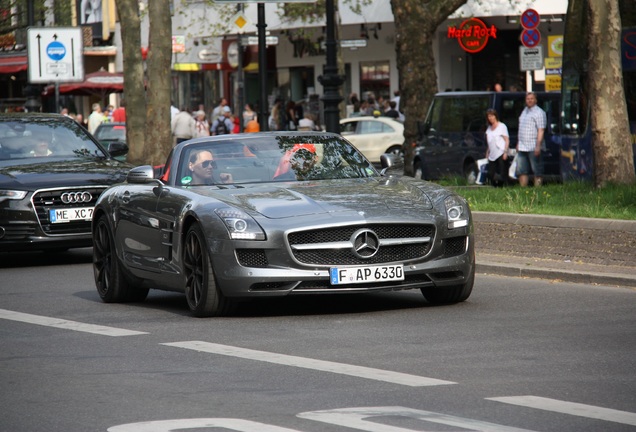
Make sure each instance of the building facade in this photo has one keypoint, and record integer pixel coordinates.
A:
(207, 67)
(205, 72)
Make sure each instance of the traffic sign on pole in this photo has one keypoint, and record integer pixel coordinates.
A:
(530, 19)
(55, 54)
(530, 38)
(531, 58)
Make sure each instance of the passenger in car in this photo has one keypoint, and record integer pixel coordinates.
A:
(297, 163)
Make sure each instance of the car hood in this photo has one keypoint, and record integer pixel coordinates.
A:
(373, 197)
(24, 174)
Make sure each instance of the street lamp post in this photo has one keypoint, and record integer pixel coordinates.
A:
(330, 79)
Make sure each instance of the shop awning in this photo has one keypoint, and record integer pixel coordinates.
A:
(13, 64)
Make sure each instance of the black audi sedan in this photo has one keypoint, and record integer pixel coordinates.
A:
(51, 173)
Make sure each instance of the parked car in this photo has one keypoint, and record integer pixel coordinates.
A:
(374, 136)
(453, 137)
(109, 133)
(277, 214)
(51, 173)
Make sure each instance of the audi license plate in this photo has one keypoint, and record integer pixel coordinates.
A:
(71, 214)
(354, 275)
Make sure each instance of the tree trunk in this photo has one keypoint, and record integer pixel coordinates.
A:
(611, 139)
(134, 91)
(415, 24)
(157, 127)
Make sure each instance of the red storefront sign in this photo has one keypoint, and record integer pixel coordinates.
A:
(472, 34)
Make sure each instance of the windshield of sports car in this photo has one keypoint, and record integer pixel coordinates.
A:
(270, 157)
(29, 137)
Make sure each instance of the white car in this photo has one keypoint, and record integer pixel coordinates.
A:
(373, 136)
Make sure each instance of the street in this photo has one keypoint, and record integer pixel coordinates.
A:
(519, 354)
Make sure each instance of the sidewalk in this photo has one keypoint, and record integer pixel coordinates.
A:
(583, 250)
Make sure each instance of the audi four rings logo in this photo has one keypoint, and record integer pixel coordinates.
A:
(76, 197)
(365, 243)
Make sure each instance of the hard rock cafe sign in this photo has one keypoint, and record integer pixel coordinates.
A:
(472, 34)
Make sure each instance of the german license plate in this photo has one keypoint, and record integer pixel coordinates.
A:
(354, 275)
(71, 214)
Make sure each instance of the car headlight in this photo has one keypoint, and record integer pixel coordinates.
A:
(12, 194)
(456, 212)
(240, 225)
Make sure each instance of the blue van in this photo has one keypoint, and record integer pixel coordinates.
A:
(453, 137)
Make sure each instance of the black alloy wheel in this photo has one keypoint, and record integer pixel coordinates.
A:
(110, 280)
(204, 297)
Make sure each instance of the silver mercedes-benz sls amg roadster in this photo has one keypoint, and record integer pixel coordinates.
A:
(276, 214)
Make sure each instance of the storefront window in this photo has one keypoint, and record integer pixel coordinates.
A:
(374, 79)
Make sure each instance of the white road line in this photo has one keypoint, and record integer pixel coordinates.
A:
(571, 408)
(65, 324)
(321, 365)
(362, 418)
(199, 423)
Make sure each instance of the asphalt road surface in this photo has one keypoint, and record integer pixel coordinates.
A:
(519, 355)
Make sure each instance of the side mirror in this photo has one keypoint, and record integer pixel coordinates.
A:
(391, 162)
(117, 148)
(142, 175)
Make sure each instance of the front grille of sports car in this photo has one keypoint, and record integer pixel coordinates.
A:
(252, 258)
(408, 282)
(339, 256)
(454, 246)
(51, 199)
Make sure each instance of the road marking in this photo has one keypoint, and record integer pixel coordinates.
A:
(355, 418)
(571, 408)
(65, 324)
(199, 423)
(302, 362)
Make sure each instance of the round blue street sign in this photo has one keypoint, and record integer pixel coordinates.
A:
(530, 38)
(56, 51)
(530, 19)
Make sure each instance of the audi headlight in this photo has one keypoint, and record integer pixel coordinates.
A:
(12, 194)
(456, 212)
(240, 225)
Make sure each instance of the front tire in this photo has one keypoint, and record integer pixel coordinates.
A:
(204, 297)
(450, 294)
(396, 150)
(110, 280)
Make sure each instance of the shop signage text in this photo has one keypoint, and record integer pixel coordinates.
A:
(472, 34)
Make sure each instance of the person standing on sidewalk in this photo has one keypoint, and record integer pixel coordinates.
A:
(532, 124)
(183, 126)
(497, 152)
(96, 118)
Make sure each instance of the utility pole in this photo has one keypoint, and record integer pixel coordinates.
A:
(262, 66)
(330, 79)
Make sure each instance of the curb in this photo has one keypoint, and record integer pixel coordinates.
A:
(615, 277)
(556, 221)
(591, 278)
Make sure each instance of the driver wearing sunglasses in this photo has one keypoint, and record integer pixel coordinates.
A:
(202, 167)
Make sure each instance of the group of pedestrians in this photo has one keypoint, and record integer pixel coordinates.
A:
(186, 125)
(528, 159)
(290, 117)
(99, 115)
(370, 106)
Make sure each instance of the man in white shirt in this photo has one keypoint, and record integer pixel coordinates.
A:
(532, 123)
(96, 118)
